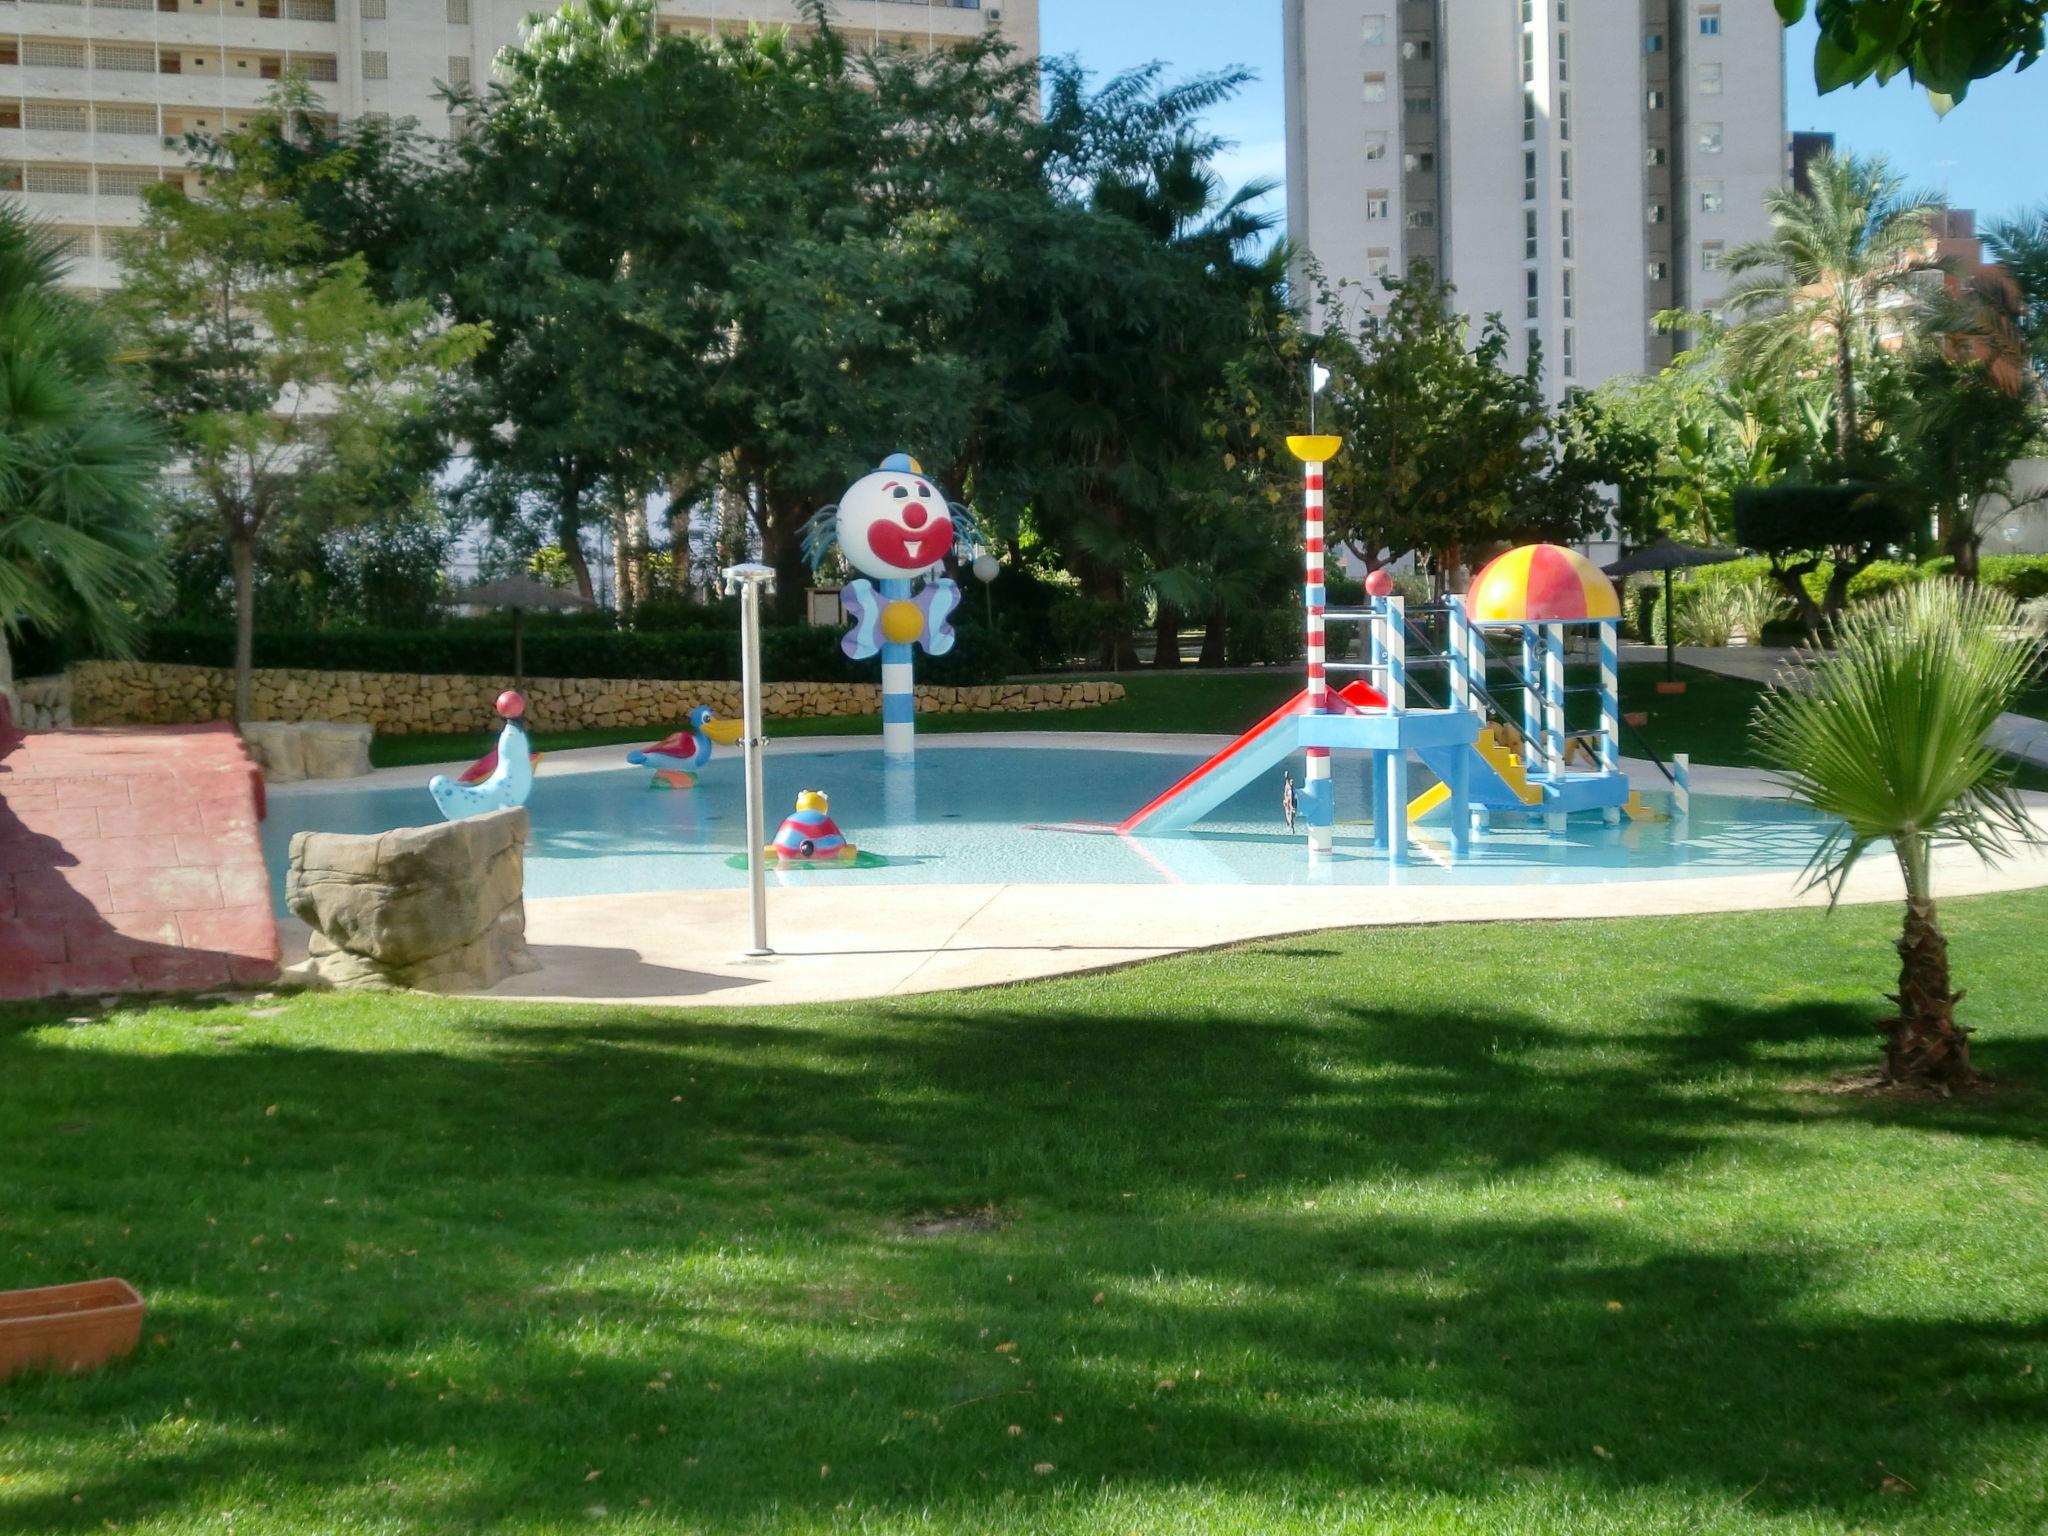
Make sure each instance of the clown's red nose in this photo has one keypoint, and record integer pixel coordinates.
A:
(914, 516)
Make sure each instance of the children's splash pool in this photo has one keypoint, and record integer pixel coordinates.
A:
(1022, 815)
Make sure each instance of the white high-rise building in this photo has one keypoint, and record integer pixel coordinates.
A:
(1573, 165)
(96, 95)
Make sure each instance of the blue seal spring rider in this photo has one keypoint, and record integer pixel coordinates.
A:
(498, 780)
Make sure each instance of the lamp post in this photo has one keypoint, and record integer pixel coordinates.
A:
(748, 580)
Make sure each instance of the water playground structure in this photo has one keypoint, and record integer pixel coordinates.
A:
(501, 778)
(677, 759)
(893, 526)
(1500, 644)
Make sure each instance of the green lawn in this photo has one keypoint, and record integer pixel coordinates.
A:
(1709, 720)
(1504, 1229)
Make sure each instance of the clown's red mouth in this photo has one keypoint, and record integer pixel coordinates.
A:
(910, 550)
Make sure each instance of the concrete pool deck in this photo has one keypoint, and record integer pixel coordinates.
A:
(837, 944)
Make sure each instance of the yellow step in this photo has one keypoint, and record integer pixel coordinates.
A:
(1501, 759)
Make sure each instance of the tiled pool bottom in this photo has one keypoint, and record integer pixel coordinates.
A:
(1011, 814)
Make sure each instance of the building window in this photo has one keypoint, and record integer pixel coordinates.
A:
(1421, 218)
(1534, 342)
(1567, 291)
(54, 117)
(1375, 87)
(1416, 106)
(1528, 175)
(1656, 213)
(1564, 174)
(1712, 195)
(1659, 270)
(1529, 309)
(1564, 10)
(458, 69)
(1571, 350)
(1710, 138)
(71, 180)
(1528, 116)
(1564, 229)
(40, 53)
(376, 65)
(126, 180)
(1653, 42)
(1375, 146)
(371, 10)
(1528, 13)
(1380, 260)
(1420, 48)
(1710, 255)
(1421, 160)
(1710, 21)
(1376, 203)
(1710, 79)
(458, 13)
(1564, 114)
(1654, 101)
(1564, 56)
(136, 120)
(135, 58)
(316, 66)
(1373, 31)
(1655, 155)
(1529, 234)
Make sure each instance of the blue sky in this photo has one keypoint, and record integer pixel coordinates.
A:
(1987, 154)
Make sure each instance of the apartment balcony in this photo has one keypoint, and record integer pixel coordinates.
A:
(190, 31)
(190, 87)
(910, 20)
(18, 145)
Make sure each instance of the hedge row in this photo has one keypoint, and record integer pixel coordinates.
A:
(797, 653)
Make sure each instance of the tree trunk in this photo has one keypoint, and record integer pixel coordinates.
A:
(632, 547)
(1965, 544)
(10, 712)
(678, 536)
(242, 559)
(1845, 397)
(1924, 1044)
(1166, 636)
(1216, 637)
(1792, 583)
(569, 532)
(1115, 648)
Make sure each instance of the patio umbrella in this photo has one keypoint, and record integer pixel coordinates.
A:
(522, 594)
(1668, 555)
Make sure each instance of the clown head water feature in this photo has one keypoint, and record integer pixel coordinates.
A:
(893, 527)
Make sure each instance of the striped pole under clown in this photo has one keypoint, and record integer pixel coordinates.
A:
(1315, 450)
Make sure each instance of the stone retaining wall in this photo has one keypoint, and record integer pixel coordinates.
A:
(402, 703)
(44, 703)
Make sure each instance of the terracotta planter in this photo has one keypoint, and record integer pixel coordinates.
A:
(68, 1327)
(1670, 687)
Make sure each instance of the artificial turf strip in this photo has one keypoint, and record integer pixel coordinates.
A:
(1525, 1228)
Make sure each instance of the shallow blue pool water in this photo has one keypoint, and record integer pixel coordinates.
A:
(997, 814)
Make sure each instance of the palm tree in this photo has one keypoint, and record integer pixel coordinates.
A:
(2003, 308)
(1834, 255)
(1890, 735)
(77, 461)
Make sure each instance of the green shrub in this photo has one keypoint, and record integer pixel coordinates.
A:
(1883, 576)
(1755, 606)
(1263, 637)
(2022, 577)
(789, 652)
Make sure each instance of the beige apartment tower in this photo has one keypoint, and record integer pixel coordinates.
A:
(96, 95)
(1573, 165)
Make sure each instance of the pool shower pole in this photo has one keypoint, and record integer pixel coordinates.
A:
(748, 580)
(1315, 450)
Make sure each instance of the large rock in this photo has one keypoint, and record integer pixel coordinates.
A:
(438, 908)
(292, 750)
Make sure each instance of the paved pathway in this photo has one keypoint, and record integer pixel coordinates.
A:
(129, 861)
(2020, 735)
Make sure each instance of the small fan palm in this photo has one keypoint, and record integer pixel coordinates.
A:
(77, 462)
(1891, 735)
(1833, 257)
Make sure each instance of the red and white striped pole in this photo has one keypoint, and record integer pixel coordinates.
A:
(1314, 451)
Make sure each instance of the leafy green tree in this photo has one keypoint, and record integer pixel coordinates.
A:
(1811, 291)
(1890, 734)
(1943, 45)
(1960, 435)
(78, 461)
(288, 387)
(1442, 440)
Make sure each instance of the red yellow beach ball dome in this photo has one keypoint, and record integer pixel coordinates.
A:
(1541, 584)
